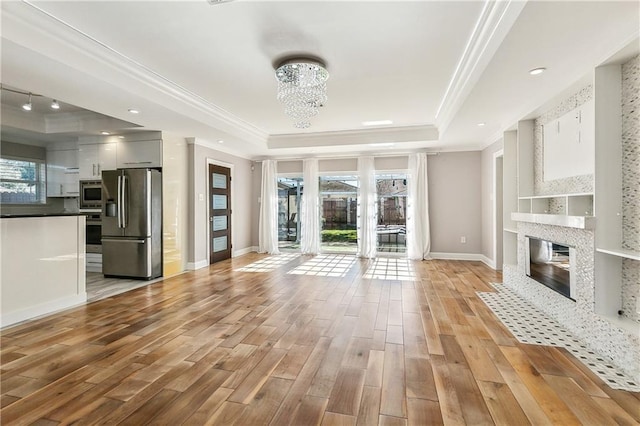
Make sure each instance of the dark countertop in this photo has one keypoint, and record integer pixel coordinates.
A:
(14, 215)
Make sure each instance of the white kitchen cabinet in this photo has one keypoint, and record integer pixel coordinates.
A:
(133, 154)
(94, 158)
(62, 173)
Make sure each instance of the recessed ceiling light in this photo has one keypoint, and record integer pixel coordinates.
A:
(133, 111)
(105, 133)
(376, 122)
(482, 124)
(121, 137)
(537, 71)
(55, 104)
(220, 141)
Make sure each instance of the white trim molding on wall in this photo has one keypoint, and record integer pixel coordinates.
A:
(192, 266)
(43, 309)
(477, 257)
(494, 206)
(242, 252)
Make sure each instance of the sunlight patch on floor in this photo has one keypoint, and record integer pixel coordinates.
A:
(390, 269)
(326, 265)
(269, 263)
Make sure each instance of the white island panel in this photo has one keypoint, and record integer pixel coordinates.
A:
(42, 266)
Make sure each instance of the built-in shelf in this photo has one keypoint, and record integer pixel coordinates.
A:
(513, 231)
(578, 222)
(620, 252)
(577, 204)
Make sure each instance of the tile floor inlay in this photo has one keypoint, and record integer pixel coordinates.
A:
(529, 325)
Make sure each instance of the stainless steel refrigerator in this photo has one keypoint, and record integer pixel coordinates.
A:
(132, 223)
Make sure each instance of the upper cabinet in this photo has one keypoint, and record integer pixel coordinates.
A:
(134, 154)
(62, 173)
(569, 144)
(94, 158)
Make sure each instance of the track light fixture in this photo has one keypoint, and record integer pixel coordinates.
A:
(27, 106)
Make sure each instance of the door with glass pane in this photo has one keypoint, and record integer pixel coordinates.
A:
(289, 197)
(219, 213)
(338, 214)
(391, 231)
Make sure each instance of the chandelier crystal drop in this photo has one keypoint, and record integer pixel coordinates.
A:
(302, 88)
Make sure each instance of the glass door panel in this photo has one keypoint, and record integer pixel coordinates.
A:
(290, 191)
(338, 213)
(392, 212)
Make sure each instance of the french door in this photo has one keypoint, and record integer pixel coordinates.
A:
(219, 213)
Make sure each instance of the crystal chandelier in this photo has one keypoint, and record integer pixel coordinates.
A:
(302, 88)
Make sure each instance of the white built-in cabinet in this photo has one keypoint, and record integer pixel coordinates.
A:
(597, 126)
(94, 158)
(609, 236)
(62, 173)
(568, 143)
(509, 198)
(134, 154)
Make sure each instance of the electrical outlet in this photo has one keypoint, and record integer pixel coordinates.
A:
(200, 197)
(463, 240)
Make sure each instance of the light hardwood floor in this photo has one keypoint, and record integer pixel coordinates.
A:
(221, 346)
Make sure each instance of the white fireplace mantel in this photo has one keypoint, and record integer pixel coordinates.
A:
(578, 222)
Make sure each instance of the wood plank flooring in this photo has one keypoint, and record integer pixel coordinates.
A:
(220, 346)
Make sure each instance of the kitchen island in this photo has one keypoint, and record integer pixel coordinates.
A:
(42, 265)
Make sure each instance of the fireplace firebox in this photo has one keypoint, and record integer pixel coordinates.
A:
(550, 264)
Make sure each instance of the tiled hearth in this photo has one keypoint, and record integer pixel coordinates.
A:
(530, 325)
(600, 335)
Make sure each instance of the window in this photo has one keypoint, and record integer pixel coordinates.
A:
(290, 191)
(338, 204)
(392, 212)
(22, 181)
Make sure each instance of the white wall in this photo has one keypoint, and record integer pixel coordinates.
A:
(455, 204)
(488, 198)
(242, 201)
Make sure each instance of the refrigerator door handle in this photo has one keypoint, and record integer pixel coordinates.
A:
(121, 240)
(119, 202)
(123, 195)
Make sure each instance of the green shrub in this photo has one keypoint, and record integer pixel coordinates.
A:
(341, 236)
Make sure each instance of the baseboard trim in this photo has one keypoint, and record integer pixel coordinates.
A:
(489, 262)
(477, 257)
(192, 266)
(42, 309)
(244, 251)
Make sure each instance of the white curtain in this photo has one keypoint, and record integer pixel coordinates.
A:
(268, 223)
(367, 212)
(418, 232)
(309, 209)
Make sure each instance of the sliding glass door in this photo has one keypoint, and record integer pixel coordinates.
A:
(289, 196)
(338, 214)
(392, 212)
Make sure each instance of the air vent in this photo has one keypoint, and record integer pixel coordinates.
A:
(213, 2)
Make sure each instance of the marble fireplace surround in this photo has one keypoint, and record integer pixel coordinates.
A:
(621, 345)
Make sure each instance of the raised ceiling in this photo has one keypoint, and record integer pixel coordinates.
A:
(436, 69)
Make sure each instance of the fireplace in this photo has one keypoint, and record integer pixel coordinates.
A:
(550, 264)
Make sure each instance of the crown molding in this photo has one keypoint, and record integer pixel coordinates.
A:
(355, 137)
(219, 147)
(494, 23)
(32, 27)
